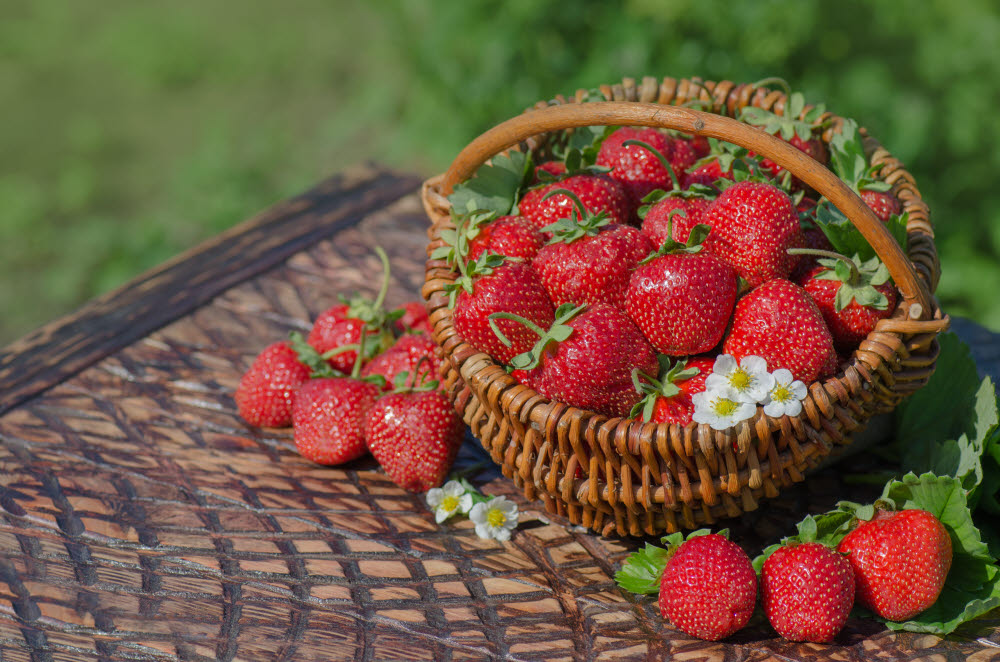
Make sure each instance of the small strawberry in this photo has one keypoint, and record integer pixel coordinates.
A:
(415, 435)
(267, 389)
(412, 318)
(589, 260)
(900, 560)
(641, 168)
(662, 220)
(404, 356)
(853, 296)
(668, 399)
(599, 193)
(851, 163)
(586, 358)
(553, 170)
(753, 226)
(883, 203)
(780, 322)
(511, 236)
(329, 415)
(807, 591)
(681, 297)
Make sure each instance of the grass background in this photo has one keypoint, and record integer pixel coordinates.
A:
(134, 130)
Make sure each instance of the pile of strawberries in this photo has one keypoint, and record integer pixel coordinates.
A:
(627, 259)
(894, 564)
(362, 381)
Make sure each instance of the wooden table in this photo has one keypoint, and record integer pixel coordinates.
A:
(141, 519)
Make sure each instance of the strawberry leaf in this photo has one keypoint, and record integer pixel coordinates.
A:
(642, 570)
(495, 186)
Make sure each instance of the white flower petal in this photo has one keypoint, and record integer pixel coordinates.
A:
(798, 389)
(754, 364)
(453, 488)
(478, 515)
(724, 363)
(465, 503)
(782, 376)
(435, 496)
(793, 408)
(502, 534)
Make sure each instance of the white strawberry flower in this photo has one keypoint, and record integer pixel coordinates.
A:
(447, 500)
(785, 397)
(721, 408)
(494, 518)
(749, 379)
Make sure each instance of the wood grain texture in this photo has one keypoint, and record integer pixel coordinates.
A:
(141, 519)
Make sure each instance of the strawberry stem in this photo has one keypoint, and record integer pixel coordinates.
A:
(558, 332)
(660, 157)
(380, 299)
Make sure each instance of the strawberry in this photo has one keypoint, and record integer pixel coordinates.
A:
(753, 226)
(900, 561)
(553, 169)
(599, 193)
(640, 169)
(586, 359)
(329, 414)
(853, 296)
(851, 163)
(511, 236)
(708, 588)
(668, 399)
(780, 322)
(681, 297)
(265, 394)
(404, 356)
(662, 220)
(493, 286)
(412, 318)
(883, 203)
(706, 172)
(415, 435)
(813, 147)
(807, 591)
(589, 260)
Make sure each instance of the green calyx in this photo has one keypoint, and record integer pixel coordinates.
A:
(312, 359)
(577, 149)
(665, 386)
(487, 263)
(849, 161)
(694, 244)
(466, 228)
(404, 382)
(858, 279)
(558, 332)
(796, 120)
(580, 223)
(697, 191)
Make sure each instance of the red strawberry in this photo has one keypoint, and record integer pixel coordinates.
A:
(753, 225)
(586, 359)
(814, 147)
(404, 356)
(415, 436)
(512, 287)
(414, 318)
(638, 169)
(589, 260)
(681, 298)
(329, 416)
(599, 193)
(852, 296)
(266, 391)
(779, 322)
(668, 399)
(807, 591)
(900, 560)
(683, 155)
(883, 203)
(553, 168)
(706, 172)
(708, 588)
(511, 236)
(663, 221)
(336, 327)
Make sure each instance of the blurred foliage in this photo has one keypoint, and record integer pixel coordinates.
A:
(133, 130)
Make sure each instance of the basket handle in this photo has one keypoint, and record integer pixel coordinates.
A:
(919, 304)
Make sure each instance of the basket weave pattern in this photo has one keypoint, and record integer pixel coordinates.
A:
(627, 477)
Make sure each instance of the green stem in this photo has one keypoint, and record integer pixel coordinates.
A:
(380, 300)
(659, 155)
(539, 331)
(359, 359)
(580, 209)
(774, 80)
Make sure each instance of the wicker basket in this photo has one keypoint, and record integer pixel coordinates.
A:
(628, 477)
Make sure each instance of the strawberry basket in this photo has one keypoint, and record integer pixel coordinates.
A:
(628, 477)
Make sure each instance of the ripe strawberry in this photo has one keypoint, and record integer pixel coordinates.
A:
(706, 172)
(512, 287)
(708, 588)
(663, 220)
(511, 236)
(336, 327)
(639, 170)
(599, 193)
(589, 260)
(681, 298)
(668, 399)
(414, 318)
(753, 226)
(813, 147)
(266, 391)
(329, 416)
(586, 359)
(900, 561)
(555, 169)
(780, 322)
(883, 203)
(807, 591)
(404, 356)
(852, 296)
(414, 436)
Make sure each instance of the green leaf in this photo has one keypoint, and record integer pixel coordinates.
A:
(845, 238)
(954, 607)
(495, 185)
(642, 570)
(827, 529)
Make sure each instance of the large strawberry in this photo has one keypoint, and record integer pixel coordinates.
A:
(415, 435)
(329, 416)
(900, 560)
(780, 322)
(674, 214)
(586, 359)
(667, 398)
(511, 236)
(807, 591)
(638, 167)
(267, 389)
(412, 318)
(599, 193)
(681, 297)
(708, 588)
(409, 352)
(589, 259)
(753, 226)
(494, 286)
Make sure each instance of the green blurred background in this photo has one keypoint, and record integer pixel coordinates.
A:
(134, 130)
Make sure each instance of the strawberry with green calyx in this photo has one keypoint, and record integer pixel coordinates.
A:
(404, 356)
(599, 193)
(585, 358)
(480, 232)
(667, 399)
(849, 162)
(706, 583)
(639, 159)
(589, 260)
(344, 324)
(672, 214)
(852, 295)
(413, 318)
(414, 433)
(724, 163)
(682, 297)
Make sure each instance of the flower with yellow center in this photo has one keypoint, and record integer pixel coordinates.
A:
(749, 379)
(785, 397)
(495, 518)
(447, 500)
(721, 408)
